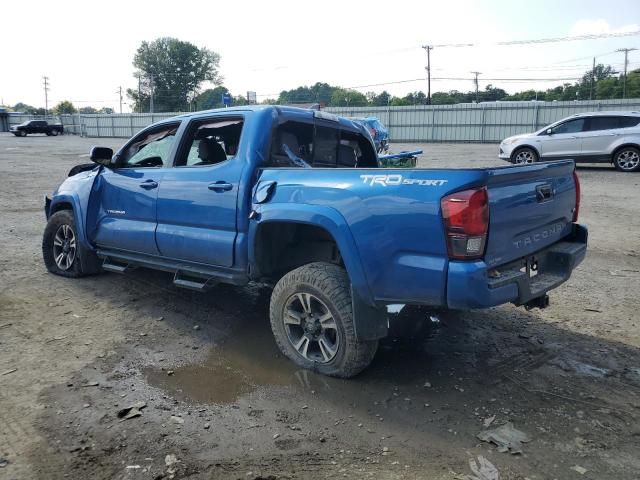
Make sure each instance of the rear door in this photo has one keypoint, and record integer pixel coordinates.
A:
(127, 194)
(530, 208)
(601, 132)
(197, 200)
(565, 140)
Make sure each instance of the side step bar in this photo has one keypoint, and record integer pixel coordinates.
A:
(111, 266)
(183, 280)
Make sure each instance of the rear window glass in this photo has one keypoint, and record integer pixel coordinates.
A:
(325, 147)
(626, 122)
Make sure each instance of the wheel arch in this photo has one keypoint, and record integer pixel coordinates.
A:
(71, 202)
(370, 321)
(620, 147)
(520, 147)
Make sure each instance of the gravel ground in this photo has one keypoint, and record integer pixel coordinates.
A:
(221, 402)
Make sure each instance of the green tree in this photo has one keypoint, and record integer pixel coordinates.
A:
(347, 98)
(24, 108)
(87, 110)
(173, 70)
(64, 107)
(210, 98)
(381, 100)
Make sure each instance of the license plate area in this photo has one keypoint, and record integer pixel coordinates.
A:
(530, 267)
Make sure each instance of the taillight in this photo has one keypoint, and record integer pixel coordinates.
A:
(576, 210)
(466, 222)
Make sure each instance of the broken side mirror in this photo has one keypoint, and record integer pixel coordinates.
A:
(101, 155)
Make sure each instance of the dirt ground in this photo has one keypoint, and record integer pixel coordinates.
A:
(222, 402)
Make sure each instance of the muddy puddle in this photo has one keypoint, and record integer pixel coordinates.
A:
(250, 360)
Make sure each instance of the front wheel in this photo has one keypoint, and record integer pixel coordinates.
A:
(312, 321)
(627, 159)
(23, 133)
(523, 156)
(54, 133)
(61, 250)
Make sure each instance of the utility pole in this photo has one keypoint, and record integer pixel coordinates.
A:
(428, 49)
(593, 78)
(151, 94)
(626, 63)
(119, 92)
(476, 83)
(46, 95)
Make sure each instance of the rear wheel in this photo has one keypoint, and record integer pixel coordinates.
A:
(627, 159)
(524, 155)
(54, 133)
(312, 321)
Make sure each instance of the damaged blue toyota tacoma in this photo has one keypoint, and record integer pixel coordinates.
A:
(296, 199)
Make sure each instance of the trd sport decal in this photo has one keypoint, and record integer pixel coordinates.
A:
(396, 179)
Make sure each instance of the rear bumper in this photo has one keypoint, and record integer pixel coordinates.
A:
(475, 285)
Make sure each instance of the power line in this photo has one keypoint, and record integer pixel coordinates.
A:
(593, 36)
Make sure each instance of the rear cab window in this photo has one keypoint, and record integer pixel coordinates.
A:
(320, 145)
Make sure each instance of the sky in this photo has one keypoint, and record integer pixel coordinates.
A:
(86, 48)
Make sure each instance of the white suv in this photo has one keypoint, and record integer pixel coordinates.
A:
(585, 137)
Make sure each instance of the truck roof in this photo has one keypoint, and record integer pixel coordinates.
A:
(282, 109)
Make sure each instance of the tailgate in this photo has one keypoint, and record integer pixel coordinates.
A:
(530, 208)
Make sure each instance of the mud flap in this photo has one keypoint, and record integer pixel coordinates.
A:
(370, 323)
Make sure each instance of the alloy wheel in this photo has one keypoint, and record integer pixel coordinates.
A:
(628, 160)
(64, 247)
(524, 156)
(311, 327)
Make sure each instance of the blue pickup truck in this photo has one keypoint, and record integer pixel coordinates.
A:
(296, 199)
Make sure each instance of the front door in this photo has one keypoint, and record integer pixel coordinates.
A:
(565, 139)
(127, 194)
(197, 199)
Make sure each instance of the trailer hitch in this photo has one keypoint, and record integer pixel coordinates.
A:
(538, 302)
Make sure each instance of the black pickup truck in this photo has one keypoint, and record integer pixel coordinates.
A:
(36, 126)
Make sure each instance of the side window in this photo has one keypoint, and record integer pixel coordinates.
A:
(355, 150)
(572, 126)
(298, 144)
(603, 123)
(211, 142)
(627, 122)
(151, 149)
(292, 145)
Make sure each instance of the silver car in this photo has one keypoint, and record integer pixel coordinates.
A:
(611, 137)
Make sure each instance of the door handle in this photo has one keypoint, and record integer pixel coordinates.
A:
(149, 184)
(220, 186)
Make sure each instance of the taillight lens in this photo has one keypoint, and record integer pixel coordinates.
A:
(466, 223)
(576, 211)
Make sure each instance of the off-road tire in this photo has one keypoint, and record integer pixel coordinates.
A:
(330, 284)
(624, 153)
(85, 262)
(530, 154)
